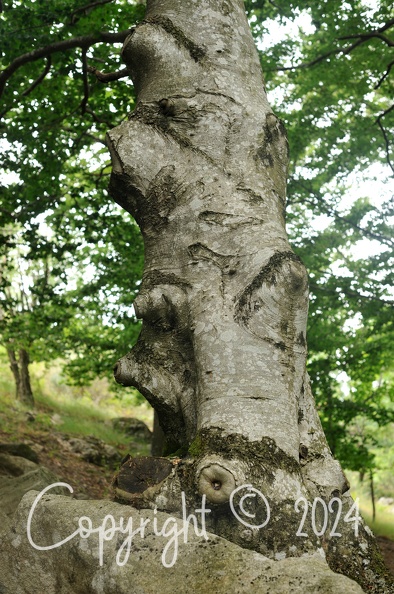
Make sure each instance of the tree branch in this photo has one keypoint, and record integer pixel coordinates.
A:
(40, 78)
(361, 38)
(84, 41)
(365, 36)
(275, 5)
(385, 75)
(341, 50)
(376, 33)
(97, 119)
(331, 212)
(385, 112)
(87, 134)
(100, 175)
(95, 138)
(85, 99)
(315, 286)
(386, 138)
(31, 88)
(110, 76)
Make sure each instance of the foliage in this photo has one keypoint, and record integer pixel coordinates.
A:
(329, 76)
(84, 255)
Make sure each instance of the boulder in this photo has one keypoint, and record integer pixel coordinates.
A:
(133, 427)
(386, 500)
(12, 489)
(19, 449)
(150, 554)
(15, 465)
(92, 450)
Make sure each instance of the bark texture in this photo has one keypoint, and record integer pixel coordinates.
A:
(201, 165)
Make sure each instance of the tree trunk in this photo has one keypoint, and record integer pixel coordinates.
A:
(158, 444)
(372, 490)
(201, 165)
(20, 370)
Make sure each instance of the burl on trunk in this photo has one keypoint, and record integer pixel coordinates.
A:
(201, 165)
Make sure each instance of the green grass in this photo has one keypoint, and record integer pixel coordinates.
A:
(384, 520)
(82, 416)
(69, 410)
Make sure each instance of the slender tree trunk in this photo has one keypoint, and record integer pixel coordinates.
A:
(201, 164)
(20, 370)
(372, 490)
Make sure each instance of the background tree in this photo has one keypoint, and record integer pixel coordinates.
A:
(51, 179)
(33, 313)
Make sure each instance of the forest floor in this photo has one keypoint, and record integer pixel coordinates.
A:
(84, 477)
(95, 481)
(44, 432)
(89, 480)
(387, 548)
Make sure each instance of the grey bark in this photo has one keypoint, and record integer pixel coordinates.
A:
(201, 165)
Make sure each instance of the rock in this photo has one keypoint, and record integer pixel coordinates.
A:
(56, 419)
(92, 450)
(13, 489)
(36, 447)
(15, 465)
(19, 449)
(198, 566)
(386, 500)
(133, 427)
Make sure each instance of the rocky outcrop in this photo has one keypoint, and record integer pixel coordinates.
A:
(14, 465)
(151, 555)
(93, 450)
(22, 450)
(18, 476)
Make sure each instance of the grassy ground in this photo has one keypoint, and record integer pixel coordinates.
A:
(383, 525)
(384, 520)
(74, 410)
(62, 411)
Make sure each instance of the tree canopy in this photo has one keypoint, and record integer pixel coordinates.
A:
(329, 74)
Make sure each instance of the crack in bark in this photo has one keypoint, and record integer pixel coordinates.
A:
(195, 50)
(153, 115)
(252, 194)
(218, 94)
(198, 251)
(155, 277)
(268, 274)
(227, 219)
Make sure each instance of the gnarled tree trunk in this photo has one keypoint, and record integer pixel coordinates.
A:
(201, 165)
